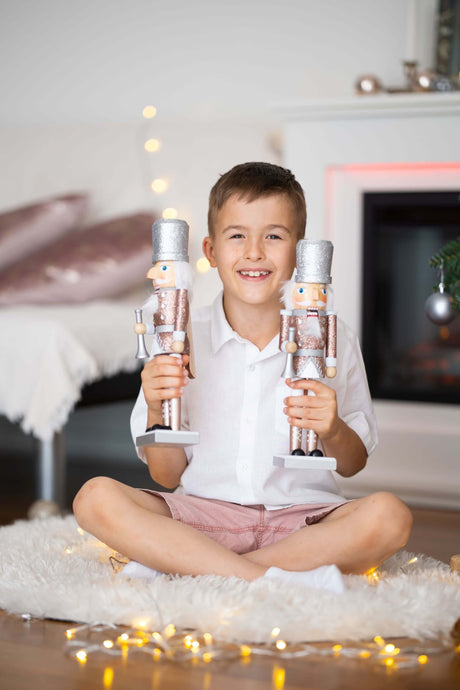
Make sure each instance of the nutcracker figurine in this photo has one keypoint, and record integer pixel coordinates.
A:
(172, 278)
(308, 336)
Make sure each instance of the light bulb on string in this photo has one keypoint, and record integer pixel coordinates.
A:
(152, 145)
(159, 185)
(170, 213)
(149, 112)
(202, 265)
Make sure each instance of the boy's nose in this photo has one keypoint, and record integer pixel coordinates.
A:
(254, 249)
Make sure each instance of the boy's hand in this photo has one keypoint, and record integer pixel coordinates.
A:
(317, 412)
(163, 377)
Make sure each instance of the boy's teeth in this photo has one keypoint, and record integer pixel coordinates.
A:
(254, 274)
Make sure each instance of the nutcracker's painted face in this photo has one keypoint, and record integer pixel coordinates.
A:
(163, 274)
(309, 296)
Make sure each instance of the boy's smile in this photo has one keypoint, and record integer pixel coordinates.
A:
(253, 249)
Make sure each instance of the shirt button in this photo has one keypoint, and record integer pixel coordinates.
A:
(251, 367)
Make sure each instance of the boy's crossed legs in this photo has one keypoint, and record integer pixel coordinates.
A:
(356, 536)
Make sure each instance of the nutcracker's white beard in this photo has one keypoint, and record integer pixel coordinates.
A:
(184, 279)
(286, 296)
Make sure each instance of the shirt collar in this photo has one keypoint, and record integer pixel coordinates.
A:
(222, 332)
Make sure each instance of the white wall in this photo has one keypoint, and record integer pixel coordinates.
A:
(103, 60)
(75, 77)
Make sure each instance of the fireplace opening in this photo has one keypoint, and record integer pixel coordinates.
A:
(407, 357)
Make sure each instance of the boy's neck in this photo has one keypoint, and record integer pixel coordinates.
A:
(254, 322)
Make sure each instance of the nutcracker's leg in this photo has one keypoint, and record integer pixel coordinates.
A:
(174, 411)
(170, 410)
(312, 439)
(295, 441)
(166, 413)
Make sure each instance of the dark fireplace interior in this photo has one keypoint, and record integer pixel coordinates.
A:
(407, 357)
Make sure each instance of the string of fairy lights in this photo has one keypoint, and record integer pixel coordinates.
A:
(160, 185)
(167, 642)
(197, 647)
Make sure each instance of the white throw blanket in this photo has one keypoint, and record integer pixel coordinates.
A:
(49, 353)
(49, 569)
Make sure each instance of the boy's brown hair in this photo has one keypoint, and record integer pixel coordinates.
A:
(251, 181)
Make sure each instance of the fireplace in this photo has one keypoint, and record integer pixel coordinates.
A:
(407, 357)
(405, 146)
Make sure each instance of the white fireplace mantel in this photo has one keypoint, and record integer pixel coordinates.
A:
(381, 105)
(337, 150)
(387, 128)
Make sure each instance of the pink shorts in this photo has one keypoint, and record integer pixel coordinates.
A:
(242, 528)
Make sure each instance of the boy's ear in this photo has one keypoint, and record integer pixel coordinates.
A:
(208, 251)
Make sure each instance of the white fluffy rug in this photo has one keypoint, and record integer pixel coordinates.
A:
(49, 569)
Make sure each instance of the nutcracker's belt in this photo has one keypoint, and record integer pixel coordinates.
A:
(164, 329)
(308, 353)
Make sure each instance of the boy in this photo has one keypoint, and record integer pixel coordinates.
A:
(239, 515)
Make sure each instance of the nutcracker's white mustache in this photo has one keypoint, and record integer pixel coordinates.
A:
(286, 296)
(317, 303)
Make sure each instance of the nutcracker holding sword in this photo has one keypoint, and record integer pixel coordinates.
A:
(308, 336)
(172, 278)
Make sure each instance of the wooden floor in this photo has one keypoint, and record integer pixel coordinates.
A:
(32, 656)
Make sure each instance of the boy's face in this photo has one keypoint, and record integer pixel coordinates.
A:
(163, 274)
(309, 296)
(253, 248)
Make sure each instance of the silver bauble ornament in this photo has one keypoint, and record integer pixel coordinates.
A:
(368, 84)
(439, 309)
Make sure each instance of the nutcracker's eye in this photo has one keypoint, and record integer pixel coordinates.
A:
(300, 291)
(164, 268)
(324, 291)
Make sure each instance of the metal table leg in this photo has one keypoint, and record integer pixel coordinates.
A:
(52, 470)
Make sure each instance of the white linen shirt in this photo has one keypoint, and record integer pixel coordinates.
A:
(236, 404)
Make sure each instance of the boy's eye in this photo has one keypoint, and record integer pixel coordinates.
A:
(236, 236)
(273, 236)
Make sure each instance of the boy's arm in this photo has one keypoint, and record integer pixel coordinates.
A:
(319, 412)
(345, 445)
(163, 377)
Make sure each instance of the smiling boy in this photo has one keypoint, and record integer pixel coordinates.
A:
(237, 514)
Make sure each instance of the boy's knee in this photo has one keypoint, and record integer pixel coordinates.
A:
(391, 519)
(92, 500)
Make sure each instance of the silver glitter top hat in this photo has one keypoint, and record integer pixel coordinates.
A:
(170, 240)
(314, 259)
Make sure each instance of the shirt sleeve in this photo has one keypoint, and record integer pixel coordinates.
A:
(353, 396)
(139, 422)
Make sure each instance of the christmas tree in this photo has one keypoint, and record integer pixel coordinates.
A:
(448, 260)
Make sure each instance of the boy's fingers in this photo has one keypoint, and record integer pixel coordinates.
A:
(303, 413)
(309, 402)
(167, 382)
(318, 387)
(170, 393)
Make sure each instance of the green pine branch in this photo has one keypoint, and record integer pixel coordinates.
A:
(449, 258)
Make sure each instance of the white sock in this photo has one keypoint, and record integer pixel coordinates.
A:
(135, 569)
(326, 577)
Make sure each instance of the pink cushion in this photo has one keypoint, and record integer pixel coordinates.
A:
(95, 262)
(26, 229)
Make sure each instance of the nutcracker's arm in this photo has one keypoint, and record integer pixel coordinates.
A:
(180, 320)
(331, 345)
(286, 322)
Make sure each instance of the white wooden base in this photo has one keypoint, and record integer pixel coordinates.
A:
(305, 462)
(165, 438)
